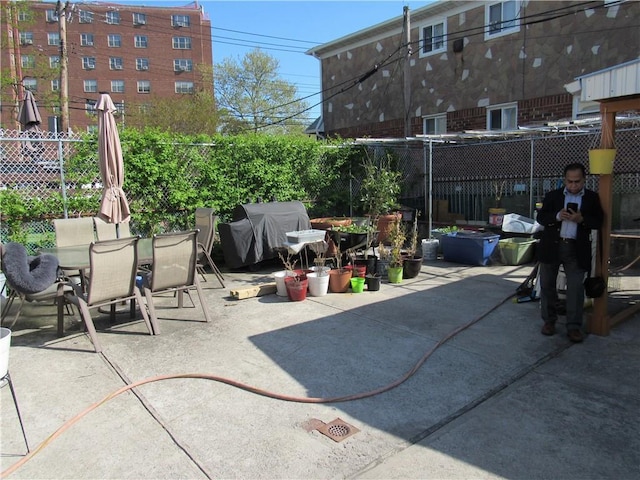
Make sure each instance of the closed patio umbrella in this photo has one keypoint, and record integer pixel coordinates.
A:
(114, 207)
(29, 118)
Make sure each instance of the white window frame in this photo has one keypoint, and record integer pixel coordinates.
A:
(140, 41)
(54, 61)
(90, 86)
(139, 18)
(142, 64)
(55, 85)
(439, 122)
(184, 88)
(117, 86)
(88, 63)
(28, 61)
(180, 21)
(507, 111)
(114, 40)
(51, 16)
(143, 86)
(503, 28)
(181, 43)
(90, 107)
(87, 40)
(112, 17)
(85, 16)
(26, 38)
(182, 65)
(443, 38)
(116, 63)
(24, 16)
(53, 39)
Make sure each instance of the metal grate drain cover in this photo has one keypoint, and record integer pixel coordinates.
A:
(337, 430)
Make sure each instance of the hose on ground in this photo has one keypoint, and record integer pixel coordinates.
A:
(252, 389)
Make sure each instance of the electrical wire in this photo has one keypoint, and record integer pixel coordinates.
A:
(256, 390)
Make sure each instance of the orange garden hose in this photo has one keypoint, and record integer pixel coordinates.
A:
(249, 388)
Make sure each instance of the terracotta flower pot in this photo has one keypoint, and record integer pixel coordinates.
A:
(339, 280)
(327, 223)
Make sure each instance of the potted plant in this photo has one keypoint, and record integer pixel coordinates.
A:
(295, 281)
(496, 214)
(319, 277)
(397, 237)
(339, 277)
(380, 192)
(412, 261)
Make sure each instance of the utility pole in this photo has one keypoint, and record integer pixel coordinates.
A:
(64, 63)
(407, 77)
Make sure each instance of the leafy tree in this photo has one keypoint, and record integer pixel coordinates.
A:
(254, 97)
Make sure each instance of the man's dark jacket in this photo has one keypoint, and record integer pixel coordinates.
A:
(547, 249)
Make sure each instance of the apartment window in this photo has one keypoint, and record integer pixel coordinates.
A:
(26, 38)
(88, 63)
(28, 61)
(55, 85)
(502, 117)
(139, 19)
(142, 64)
(141, 41)
(54, 61)
(434, 124)
(114, 40)
(113, 18)
(85, 17)
(182, 65)
(90, 106)
(184, 87)
(86, 40)
(24, 16)
(117, 86)
(90, 86)
(182, 43)
(144, 86)
(51, 16)
(432, 39)
(115, 63)
(502, 18)
(30, 84)
(53, 38)
(119, 108)
(180, 21)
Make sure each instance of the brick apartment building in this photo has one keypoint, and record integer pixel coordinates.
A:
(473, 65)
(134, 53)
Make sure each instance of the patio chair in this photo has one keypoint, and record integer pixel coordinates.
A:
(71, 232)
(173, 270)
(32, 279)
(206, 225)
(110, 231)
(112, 279)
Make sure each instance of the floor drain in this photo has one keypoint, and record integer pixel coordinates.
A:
(338, 430)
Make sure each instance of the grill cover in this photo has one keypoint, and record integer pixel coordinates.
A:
(257, 229)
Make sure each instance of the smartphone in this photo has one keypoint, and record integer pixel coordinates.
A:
(572, 206)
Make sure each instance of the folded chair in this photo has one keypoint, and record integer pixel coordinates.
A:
(173, 270)
(33, 279)
(112, 279)
(206, 226)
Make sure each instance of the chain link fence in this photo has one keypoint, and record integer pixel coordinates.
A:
(466, 178)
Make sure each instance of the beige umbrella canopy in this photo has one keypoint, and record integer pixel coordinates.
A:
(114, 207)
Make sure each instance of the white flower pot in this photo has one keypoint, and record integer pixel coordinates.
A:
(281, 289)
(318, 283)
(5, 343)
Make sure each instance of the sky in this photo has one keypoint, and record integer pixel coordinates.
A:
(298, 25)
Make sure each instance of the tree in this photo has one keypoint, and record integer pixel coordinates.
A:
(254, 97)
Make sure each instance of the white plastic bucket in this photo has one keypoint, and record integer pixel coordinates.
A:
(430, 249)
(281, 288)
(318, 284)
(5, 343)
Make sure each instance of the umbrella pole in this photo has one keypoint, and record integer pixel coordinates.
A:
(62, 181)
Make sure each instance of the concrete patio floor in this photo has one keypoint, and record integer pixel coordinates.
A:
(496, 400)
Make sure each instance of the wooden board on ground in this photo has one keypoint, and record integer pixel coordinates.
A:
(254, 291)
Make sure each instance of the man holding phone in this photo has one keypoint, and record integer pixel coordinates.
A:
(568, 215)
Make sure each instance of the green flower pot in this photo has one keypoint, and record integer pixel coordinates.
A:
(394, 274)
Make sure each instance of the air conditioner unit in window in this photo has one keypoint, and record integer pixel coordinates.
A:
(180, 24)
(140, 22)
(90, 67)
(144, 67)
(117, 67)
(181, 68)
(27, 41)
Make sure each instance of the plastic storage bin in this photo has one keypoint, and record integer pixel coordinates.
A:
(301, 236)
(516, 251)
(471, 248)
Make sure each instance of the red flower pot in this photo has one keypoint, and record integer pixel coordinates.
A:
(296, 288)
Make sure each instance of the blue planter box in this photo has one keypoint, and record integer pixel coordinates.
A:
(470, 248)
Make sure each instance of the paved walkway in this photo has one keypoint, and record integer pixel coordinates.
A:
(495, 400)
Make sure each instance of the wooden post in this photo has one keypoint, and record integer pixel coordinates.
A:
(599, 322)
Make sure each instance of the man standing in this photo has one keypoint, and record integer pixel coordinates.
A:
(568, 215)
